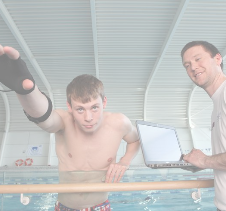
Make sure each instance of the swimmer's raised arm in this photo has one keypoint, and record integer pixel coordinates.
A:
(37, 106)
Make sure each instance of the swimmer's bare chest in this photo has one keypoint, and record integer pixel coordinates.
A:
(95, 152)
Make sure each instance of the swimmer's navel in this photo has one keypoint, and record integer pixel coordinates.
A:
(69, 154)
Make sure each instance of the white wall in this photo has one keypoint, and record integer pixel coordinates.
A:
(185, 139)
(1, 136)
(53, 159)
(202, 139)
(18, 142)
(199, 138)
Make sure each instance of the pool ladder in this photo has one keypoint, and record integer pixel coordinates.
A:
(196, 195)
(25, 200)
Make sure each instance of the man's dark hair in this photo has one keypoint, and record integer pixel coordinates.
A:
(207, 46)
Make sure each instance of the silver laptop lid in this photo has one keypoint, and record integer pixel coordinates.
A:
(159, 143)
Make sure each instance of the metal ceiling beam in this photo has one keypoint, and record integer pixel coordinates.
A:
(16, 33)
(189, 115)
(190, 123)
(191, 94)
(174, 25)
(94, 29)
(18, 36)
(7, 123)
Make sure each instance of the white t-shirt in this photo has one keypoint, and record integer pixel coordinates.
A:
(218, 140)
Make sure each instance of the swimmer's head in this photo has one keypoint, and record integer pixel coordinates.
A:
(85, 88)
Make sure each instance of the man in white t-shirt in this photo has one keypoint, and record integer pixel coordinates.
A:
(204, 65)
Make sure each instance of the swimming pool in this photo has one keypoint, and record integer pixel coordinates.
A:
(149, 200)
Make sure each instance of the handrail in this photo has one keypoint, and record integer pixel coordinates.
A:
(106, 187)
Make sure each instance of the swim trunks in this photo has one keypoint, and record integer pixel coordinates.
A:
(105, 206)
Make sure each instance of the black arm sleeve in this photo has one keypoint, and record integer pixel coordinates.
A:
(43, 118)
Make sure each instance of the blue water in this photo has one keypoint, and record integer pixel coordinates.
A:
(149, 200)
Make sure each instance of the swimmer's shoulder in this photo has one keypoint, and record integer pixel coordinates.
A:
(116, 119)
(66, 118)
(64, 114)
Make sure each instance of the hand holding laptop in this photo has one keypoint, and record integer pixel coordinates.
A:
(197, 158)
(161, 147)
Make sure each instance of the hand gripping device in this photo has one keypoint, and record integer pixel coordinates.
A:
(13, 73)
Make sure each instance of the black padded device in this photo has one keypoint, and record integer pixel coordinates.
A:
(13, 73)
(43, 118)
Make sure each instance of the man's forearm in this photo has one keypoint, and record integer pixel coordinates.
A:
(216, 161)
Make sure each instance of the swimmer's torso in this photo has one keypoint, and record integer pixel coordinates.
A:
(79, 152)
(82, 200)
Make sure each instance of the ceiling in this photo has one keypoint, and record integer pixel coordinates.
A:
(133, 46)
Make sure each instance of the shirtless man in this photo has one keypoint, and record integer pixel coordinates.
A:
(87, 138)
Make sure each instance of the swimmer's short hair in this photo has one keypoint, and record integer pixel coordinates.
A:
(84, 88)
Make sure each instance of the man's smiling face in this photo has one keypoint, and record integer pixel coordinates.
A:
(200, 66)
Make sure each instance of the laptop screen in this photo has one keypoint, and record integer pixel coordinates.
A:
(159, 143)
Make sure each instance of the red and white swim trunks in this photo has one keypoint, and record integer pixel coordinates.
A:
(105, 206)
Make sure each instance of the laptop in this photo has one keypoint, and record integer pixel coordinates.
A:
(160, 146)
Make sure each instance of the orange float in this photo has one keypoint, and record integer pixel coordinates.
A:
(19, 162)
(28, 162)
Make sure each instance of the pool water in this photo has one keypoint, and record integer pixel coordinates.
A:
(161, 201)
(149, 200)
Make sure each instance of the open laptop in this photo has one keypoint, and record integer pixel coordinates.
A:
(160, 146)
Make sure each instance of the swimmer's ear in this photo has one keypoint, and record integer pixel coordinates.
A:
(69, 107)
(104, 102)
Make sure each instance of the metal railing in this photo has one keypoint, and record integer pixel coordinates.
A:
(106, 187)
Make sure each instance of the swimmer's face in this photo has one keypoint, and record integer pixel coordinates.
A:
(88, 116)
